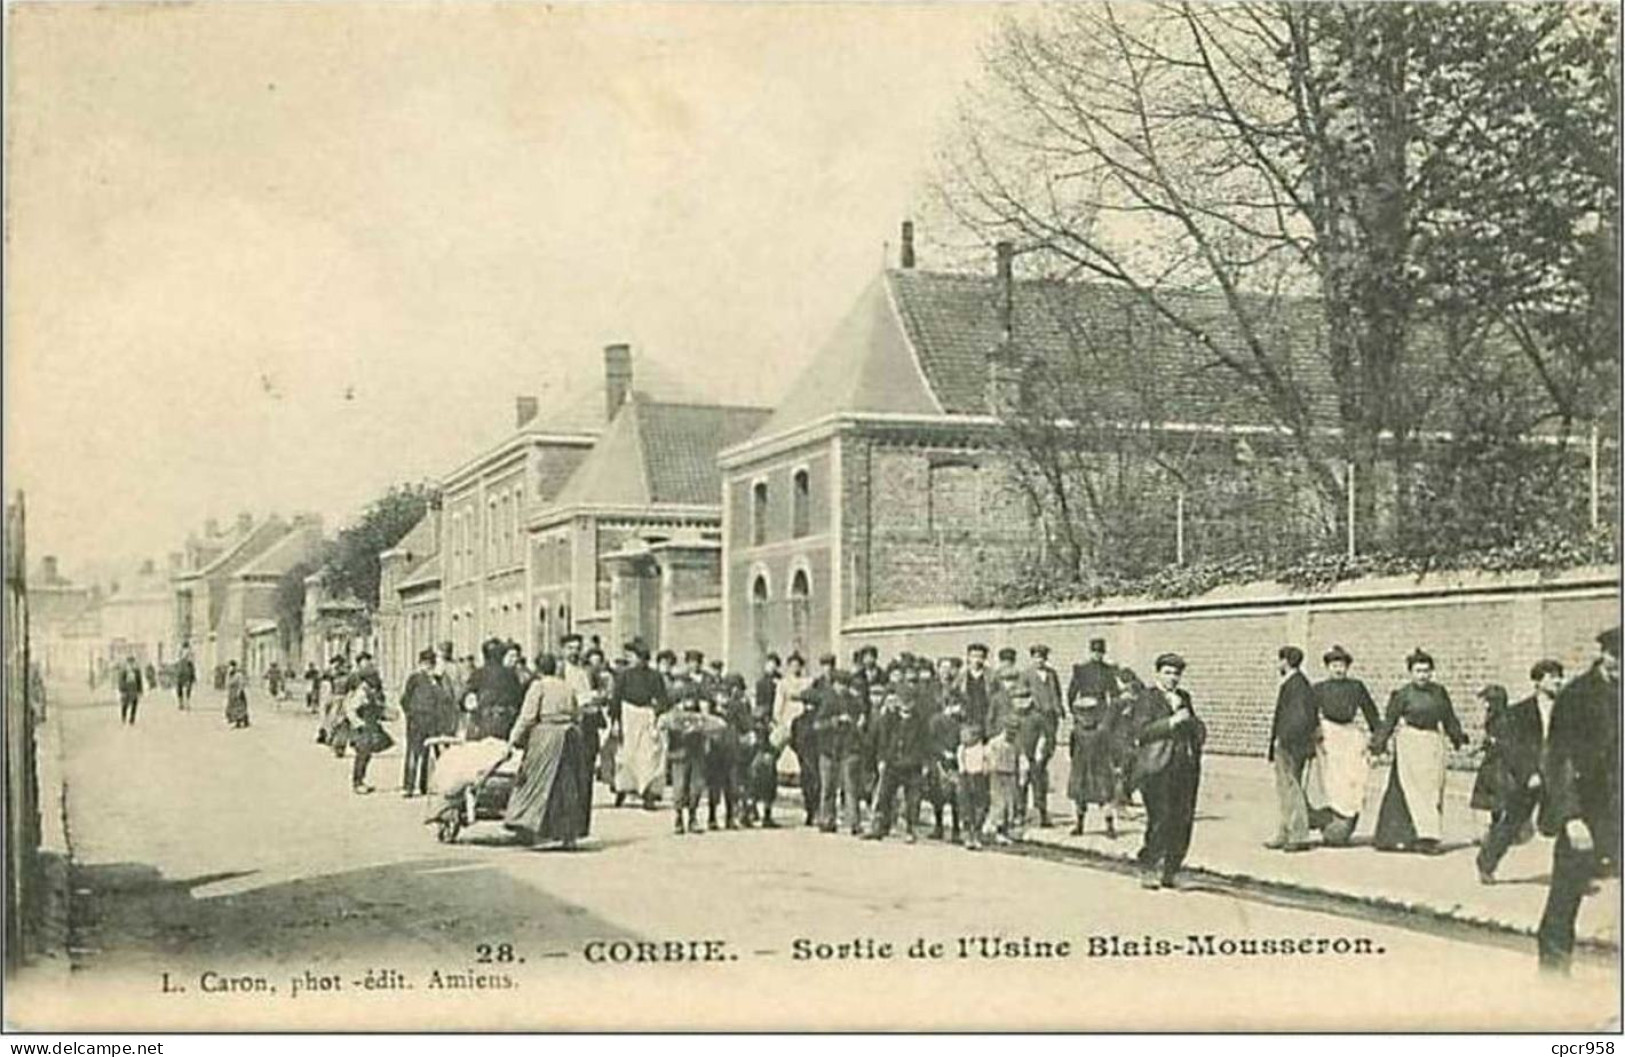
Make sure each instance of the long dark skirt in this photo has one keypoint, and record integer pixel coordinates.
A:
(1395, 827)
(237, 709)
(1092, 779)
(552, 795)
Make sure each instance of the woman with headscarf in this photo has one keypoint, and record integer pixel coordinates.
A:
(1418, 721)
(497, 693)
(552, 791)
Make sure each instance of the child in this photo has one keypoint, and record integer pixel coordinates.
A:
(942, 774)
(972, 791)
(684, 731)
(1004, 762)
(724, 751)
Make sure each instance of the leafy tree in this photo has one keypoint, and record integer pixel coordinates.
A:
(350, 569)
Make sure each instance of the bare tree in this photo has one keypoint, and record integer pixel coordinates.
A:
(1291, 190)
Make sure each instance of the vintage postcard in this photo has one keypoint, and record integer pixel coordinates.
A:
(812, 516)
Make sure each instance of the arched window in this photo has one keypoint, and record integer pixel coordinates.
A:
(758, 513)
(800, 610)
(758, 616)
(800, 503)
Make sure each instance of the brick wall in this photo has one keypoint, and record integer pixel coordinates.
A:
(927, 524)
(1481, 630)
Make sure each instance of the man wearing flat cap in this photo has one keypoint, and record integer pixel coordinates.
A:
(1581, 804)
(1292, 742)
(1167, 770)
(1337, 776)
(424, 702)
(1041, 724)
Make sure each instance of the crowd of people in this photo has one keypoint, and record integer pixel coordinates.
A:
(972, 738)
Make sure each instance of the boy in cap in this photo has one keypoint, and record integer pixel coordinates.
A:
(971, 787)
(903, 748)
(684, 731)
(1041, 725)
(837, 724)
(1005, 768)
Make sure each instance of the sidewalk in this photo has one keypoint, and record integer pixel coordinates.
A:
(1236, 814)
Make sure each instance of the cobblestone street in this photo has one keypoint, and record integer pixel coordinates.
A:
(208, 860)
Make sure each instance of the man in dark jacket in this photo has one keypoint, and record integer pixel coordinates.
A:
(423, 700)
(1519, 742)
(185, 678)
(1292, 743)
(902, 749)
(497, 693)
(1580, 806)
(1040, 726)
(1168, 771)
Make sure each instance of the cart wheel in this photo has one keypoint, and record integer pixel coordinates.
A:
(449, 828)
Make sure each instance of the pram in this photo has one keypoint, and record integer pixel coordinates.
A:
(473, 779)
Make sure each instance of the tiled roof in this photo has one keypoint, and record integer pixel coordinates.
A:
(248, 546)
(660, 453)
(680, 445)
(1135, 363)
(299, 543)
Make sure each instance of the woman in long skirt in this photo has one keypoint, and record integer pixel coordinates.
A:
(1093, 776)
(553, 790)
(236, 697)
(1419, 720)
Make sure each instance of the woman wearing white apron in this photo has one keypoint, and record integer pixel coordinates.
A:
(1336, 779)
(1419, 719)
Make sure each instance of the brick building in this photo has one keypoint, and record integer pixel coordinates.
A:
(213, 604)
(407, 619)
(631, 546)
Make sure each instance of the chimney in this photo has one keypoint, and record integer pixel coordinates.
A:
(524, 409)
(617, 377)
(1006, 251)
(1003, 370)
(906, 258)
(48, 569)
(245, 521)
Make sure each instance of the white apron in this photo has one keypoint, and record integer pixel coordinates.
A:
(640, 765)
(1419, 757)
(1337, 774)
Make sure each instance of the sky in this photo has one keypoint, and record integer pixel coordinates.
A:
(273, 257)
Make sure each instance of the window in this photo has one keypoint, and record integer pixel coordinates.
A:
(800, 610)
(491, 532)
(758, 513)
(952, 497)
(800, 501)
(758, 616)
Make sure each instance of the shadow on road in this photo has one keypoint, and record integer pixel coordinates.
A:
(128, 915)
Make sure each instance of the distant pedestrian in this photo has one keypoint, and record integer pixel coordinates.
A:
(185, 679)
(1419, 721)
(236, 697)
(1291, 744)
(1581, 804)
(1005, 768)
(1336, 779)
(1168, 771)
(1509, 780)
(313, 686)
(129, 690)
